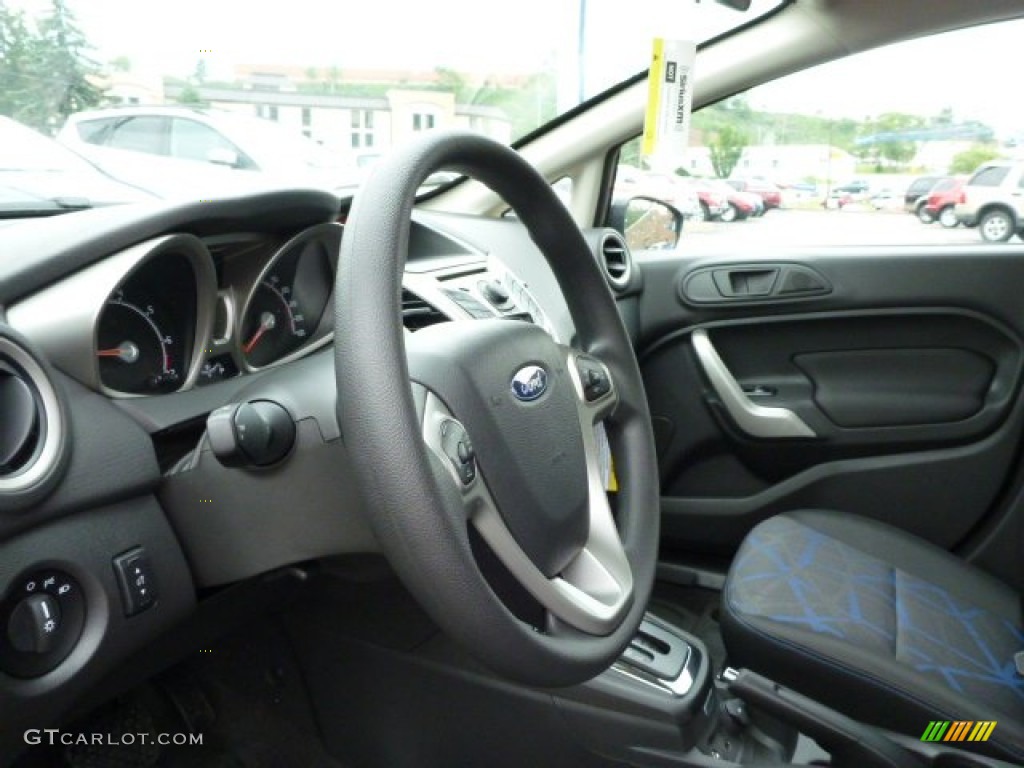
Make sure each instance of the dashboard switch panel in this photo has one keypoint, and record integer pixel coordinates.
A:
(41, 620)
(136, 580)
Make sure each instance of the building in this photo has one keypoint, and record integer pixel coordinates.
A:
(781, 163)
(367, 126)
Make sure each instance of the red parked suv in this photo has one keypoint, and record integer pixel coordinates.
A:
(941, 203)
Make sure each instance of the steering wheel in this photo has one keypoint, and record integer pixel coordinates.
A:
(490, 424)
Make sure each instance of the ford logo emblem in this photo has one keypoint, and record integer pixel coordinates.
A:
(529, 383)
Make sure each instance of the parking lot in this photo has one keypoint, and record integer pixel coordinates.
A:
(802, 227)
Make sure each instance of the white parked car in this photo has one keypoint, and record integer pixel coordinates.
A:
(186, 151)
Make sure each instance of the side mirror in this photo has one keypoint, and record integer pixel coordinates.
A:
(646, 223)
(222, 156)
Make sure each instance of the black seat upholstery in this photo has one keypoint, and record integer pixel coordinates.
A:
(878, 624)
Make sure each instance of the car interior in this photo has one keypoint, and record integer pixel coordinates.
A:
(451, 476)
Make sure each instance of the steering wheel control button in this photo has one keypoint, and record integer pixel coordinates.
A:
(529, 383)
(34, 624)
(594, 377)
(136, 581)
(457, 447)
(255, 434)
(495, 292)
(42, 618)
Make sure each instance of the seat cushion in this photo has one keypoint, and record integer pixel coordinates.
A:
(878, 624)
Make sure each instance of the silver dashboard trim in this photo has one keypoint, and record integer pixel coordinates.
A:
(331, 232)
(63, 318)
(53, 422)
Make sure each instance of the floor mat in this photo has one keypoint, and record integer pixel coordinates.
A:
(245, 697)
(695, 610)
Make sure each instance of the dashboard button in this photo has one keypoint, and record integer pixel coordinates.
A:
(136, 580)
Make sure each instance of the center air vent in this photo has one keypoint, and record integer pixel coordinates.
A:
(31, 425)
(417, 313)
(615, 259)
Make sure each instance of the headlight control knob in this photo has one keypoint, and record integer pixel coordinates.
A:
(41, 619)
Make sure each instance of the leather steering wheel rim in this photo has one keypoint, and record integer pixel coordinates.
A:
(410, 498)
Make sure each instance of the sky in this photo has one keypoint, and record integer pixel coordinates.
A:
(514, 36)
(968, 70)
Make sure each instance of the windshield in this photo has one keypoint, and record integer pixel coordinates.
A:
(22, 149)
(167, 83)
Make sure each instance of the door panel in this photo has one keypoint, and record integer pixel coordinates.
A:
(907, 376)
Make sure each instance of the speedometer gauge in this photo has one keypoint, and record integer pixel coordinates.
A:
(275, 323)
(285, 309)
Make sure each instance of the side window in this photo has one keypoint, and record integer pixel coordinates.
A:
(859, 151)
(989, 177)
(140, 134)
(94, 131)
(191, 140)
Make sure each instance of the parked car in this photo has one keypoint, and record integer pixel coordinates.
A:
(993, 200)
(712, 201)
(741, 205)
(940, 203)
(886, 199)
(179, 151)
(917, 193)
(637, 182)
(38, 176)
(857, 188)
(769, 193)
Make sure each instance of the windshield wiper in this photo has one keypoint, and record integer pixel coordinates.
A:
(32, 208)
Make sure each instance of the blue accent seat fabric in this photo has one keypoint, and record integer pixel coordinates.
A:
(877, 624)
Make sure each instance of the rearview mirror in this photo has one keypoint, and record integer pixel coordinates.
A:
(646, 223)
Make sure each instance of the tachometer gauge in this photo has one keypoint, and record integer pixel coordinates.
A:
(135, 353)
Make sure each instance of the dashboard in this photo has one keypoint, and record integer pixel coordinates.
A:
(121, 331)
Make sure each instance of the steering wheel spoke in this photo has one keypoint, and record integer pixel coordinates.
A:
(595, 589)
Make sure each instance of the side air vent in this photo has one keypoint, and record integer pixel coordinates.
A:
(31, 425)
(417, 313)
(615, 259)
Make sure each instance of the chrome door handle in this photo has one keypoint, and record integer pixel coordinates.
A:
(753, 419)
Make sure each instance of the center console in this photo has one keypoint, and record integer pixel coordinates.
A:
(660, 704)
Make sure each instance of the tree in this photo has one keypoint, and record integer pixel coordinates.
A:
(726, 148)
(967, 161)
(884, 140)
(189, 95)
(49, 67)
(199, 73)
(17, 51)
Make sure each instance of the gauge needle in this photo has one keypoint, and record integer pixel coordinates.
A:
(126, 352)
(267, 323)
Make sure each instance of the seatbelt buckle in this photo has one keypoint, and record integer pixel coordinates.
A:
(1018, 661)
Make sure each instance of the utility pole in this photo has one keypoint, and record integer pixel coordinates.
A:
(581, 47)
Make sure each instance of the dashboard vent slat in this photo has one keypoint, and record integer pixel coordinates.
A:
(418, 313)
(616, 260)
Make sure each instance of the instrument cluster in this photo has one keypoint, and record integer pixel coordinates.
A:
(178, 312)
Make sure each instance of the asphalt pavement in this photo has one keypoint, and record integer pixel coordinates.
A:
(848, 226)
